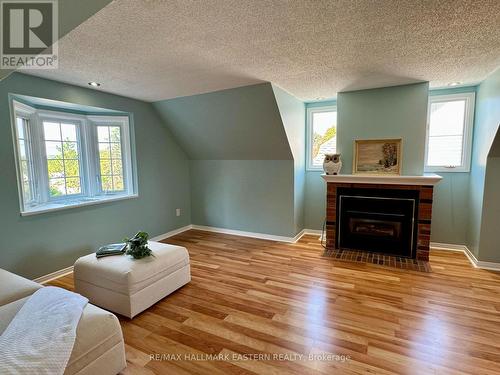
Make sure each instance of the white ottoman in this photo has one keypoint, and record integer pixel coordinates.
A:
(129, 286)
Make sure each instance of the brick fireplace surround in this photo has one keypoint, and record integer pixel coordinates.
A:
(422, 184)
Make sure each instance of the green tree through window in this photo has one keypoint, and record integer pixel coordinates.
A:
(318, 139)
(63, 159)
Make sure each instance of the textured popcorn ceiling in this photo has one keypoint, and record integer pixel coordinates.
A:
(153, 50)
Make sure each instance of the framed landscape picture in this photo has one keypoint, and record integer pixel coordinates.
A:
(377, 156)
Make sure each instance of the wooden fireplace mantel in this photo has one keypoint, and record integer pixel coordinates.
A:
(426, 179)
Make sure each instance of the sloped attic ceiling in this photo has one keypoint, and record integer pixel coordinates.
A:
(236, 124)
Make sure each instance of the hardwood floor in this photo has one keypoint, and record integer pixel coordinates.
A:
(256, 298)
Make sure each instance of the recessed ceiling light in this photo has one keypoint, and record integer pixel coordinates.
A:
(94, 84)
(454, 83)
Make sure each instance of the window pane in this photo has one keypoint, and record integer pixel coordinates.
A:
(117, 167)
(447, 118)
(24, 171)
(70, 150)
(116, 151)
(24, 159)
(103, 133)
(55, 168)
(51, 131)
(26, 191)
(57, 187)
(20, 127)
(72, 168)
(107, 183)
(63, 159)
(118, 182)
(105, 167)
(68, 132)
(104, 152)
(324, 136)
(73, 186)
(446, 133)
(114, 133)
(445, 151)
(22, 150)
(110, 158)
(53, 149)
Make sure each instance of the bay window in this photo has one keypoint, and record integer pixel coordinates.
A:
(67, 159)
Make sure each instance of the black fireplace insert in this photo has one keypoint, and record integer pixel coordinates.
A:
(378, 220)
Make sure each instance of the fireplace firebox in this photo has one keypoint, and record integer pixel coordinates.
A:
(378, 220)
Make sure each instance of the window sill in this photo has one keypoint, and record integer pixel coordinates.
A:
(51, 207)
(447, 170)
(314, 169)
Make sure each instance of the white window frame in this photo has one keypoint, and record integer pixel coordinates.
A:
(309, 138)
(469, 98)
(123, 123)
(39, 117)
(90, 191)
(27, 113)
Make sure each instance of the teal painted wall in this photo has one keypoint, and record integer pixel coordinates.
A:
(248, 195)
(450, 209)
(242, 166)
(236, 124)
(489, 248)
(389, 112)
(293, 115)
(315, 200)
(36, 245)
(483, 225)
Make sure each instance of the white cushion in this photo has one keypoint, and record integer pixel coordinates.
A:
(9, 311)
(14, 287)
(123, 274)
(98, 332)
(98, 341)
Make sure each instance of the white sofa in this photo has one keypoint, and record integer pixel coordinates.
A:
(99, 347)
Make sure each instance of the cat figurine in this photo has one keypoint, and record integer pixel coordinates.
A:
(332, 164)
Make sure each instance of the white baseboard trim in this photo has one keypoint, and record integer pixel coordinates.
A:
(313, 231)
(54, 275)
(492, 266)
(171, 233)
(262, 236)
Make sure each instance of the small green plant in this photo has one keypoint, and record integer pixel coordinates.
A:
(137, 246)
